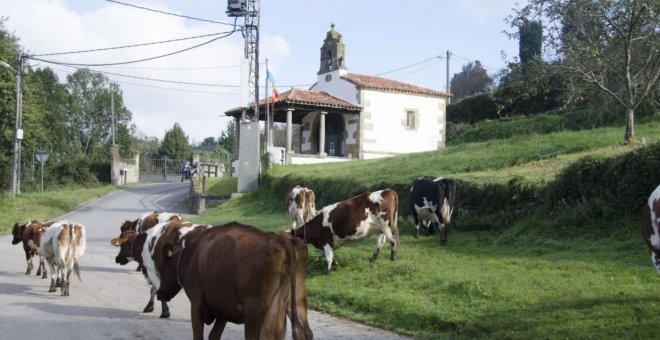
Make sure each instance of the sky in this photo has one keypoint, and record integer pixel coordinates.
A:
(397, 39)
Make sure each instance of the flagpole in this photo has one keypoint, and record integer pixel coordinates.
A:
(267, 130)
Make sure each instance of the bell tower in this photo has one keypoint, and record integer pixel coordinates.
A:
(332, 52)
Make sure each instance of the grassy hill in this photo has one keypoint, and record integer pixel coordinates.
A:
(545, 242)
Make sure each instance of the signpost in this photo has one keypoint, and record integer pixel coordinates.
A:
(42, 157)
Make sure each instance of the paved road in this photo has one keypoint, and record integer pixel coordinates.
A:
(107, 304)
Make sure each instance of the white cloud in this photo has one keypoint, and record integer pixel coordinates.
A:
(51, 26)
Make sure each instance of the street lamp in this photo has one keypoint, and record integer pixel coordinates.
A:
(18, 131)
(42, 157)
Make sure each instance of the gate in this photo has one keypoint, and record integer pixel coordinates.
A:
(161, 170)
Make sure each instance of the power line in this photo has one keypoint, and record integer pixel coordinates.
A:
(417, 70)
(168, 13)
(128, 46)
(471, 61)
(409, 66)
(133, 61)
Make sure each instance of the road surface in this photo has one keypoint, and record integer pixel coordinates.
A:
(108, 303)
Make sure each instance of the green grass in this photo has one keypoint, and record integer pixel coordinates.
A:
(532, 278)
(54, 203)
(221, 186)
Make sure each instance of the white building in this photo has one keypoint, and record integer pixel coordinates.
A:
(348, 116)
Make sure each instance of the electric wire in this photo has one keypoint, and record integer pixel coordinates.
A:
(133, 61)
(167, 13)
(127, 46)
(408, 66)
(471, 61)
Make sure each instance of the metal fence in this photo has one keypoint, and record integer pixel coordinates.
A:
(161, 170)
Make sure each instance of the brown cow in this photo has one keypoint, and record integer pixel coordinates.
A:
(354, 219)
(237, 273)
(300, 205)
(651, 226)
(30, 234)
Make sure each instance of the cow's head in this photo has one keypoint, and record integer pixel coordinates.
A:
(128, 225)
(17, 232)
(125, 242)
(169, 266)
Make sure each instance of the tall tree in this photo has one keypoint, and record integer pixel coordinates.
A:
(612, 45)
(472, 79)
(8, 54)
(226, 139)
(175, 144)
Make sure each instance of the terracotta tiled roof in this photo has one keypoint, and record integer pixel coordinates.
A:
(307, 97)
(388, 85)
(316, 98)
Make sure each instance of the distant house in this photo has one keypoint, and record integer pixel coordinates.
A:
(348, 116)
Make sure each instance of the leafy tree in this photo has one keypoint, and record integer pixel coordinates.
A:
(226, 139)
(208, 141)
(8, 54)
(612, 45)
(175, 144)
(472, 79)
(530, 42)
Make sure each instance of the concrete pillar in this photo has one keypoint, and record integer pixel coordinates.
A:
(322, 134)
(289, 129)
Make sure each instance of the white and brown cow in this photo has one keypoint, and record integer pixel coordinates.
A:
(29, 233)
(300, 205)
(651, 226)
(431, 203)
(354, 219)
(148, 220)
(63, 243)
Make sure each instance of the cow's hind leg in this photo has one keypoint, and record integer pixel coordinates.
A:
(379, 244)
(42, 265)
(217, 329)
(197, 320)
(443, 234)
(150, 305)
(164, 310)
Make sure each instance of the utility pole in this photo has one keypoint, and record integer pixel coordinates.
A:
(447, 81)
(18, 131)
(112, 113)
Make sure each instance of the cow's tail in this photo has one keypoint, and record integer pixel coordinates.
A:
(300, 328)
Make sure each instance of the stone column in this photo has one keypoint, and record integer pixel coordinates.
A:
(322, 134)
(289, 129)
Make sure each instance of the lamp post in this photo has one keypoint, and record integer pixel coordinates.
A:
(18, 131)
(42, 157)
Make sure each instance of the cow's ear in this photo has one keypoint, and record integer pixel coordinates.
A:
(168, 250)
(117, 242)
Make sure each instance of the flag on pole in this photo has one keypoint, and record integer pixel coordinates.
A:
(269, 76)
(276, 95)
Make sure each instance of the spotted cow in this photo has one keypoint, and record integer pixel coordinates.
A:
(354, 219)
(30, 234)
(63, 243)
(431, 203)
(300, 205)
(240, 274)
(147, 221)
(651, 226)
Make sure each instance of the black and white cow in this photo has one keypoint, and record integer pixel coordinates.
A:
(431, 202)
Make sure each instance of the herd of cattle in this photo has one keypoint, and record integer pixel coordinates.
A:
(238, 273)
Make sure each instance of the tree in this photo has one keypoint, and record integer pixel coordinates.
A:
(175, 144)
(208, 141)
(472, 79)
(612, 45)
(226, 139)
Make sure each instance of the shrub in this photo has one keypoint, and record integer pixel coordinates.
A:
(473, 109)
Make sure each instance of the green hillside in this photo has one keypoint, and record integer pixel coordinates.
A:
(544, 243)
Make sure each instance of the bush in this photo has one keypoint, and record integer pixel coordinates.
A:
(473, 109)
